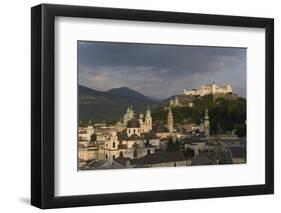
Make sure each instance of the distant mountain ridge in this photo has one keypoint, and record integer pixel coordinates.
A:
(125, 91)
(110, 105)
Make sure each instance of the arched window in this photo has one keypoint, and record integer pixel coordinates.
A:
(121, 154)
(113, 144)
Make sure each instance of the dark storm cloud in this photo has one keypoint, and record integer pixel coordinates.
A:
(159, 70)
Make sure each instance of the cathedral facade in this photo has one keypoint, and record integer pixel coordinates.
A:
(132, 137)
(145, 121)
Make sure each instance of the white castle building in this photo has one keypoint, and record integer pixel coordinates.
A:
(207, 89)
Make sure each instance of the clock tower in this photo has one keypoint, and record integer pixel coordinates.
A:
(206, 124)
(170, 121)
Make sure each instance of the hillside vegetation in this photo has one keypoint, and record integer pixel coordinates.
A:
(225, 114)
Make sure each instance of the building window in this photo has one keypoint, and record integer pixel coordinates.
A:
(129, 131)
(135, 154)
(134, 131)
(121, 154)
(148, 151)
(106, 156)
(113, 156)
(113, 144)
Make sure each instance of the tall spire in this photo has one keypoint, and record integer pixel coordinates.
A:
(206, 124)
(206, 114)
(170, 120)
(148, 114)
(148, 120)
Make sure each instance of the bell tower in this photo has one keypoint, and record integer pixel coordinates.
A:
(170, 121)
(148, 120)
(206, 124)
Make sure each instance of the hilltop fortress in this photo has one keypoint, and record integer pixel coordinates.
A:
(207, 89)
(188, 96)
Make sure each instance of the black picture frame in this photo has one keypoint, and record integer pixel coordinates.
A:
(43, 111)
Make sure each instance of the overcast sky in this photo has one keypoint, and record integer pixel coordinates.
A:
(159, 70)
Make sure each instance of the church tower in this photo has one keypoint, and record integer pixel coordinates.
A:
(206, 124)
(129, 115)
(148, 120)
(170, 121)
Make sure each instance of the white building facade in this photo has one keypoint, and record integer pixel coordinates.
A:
(207, 89)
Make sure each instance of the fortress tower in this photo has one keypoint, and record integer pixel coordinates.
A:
(228, 88)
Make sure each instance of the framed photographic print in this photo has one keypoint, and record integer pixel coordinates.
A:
(139, 106)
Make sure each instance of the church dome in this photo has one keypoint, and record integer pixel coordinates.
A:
(133, 123)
